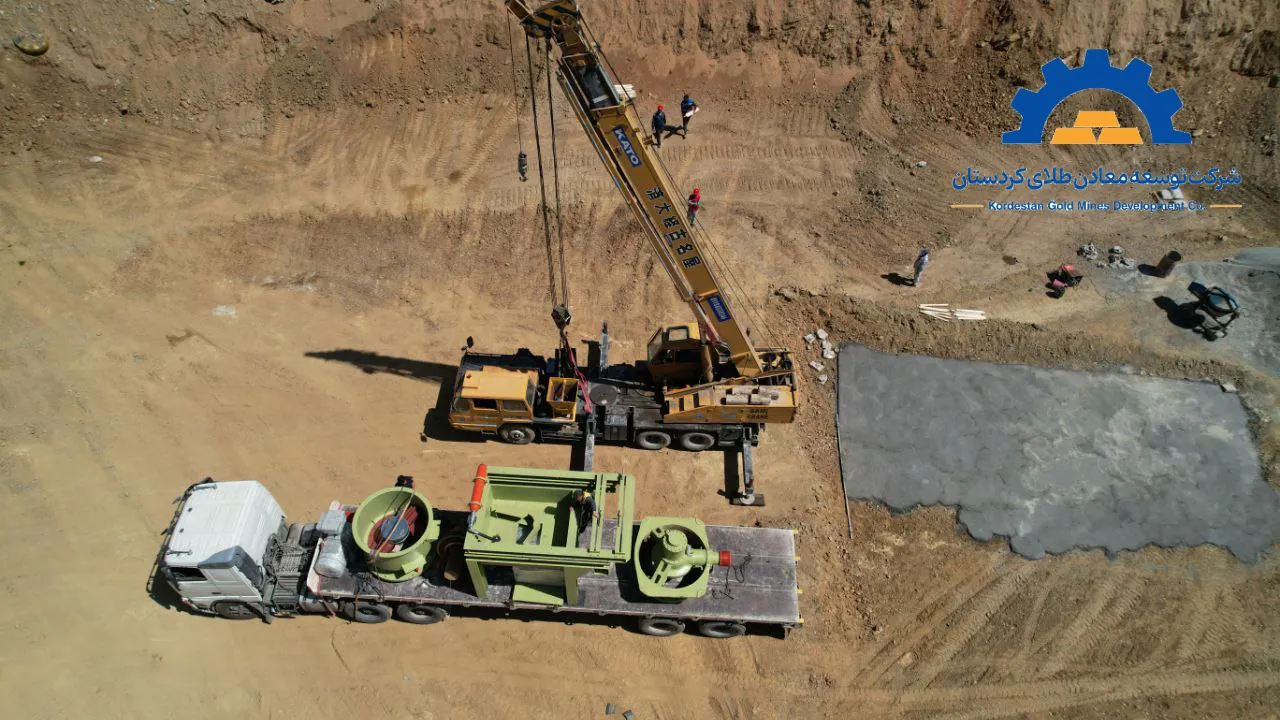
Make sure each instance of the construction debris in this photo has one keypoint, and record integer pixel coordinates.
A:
(822, 379)
(816, 365)
(822, 334)
(1116, 259)
(946, 313)
(1088, 252)
(810, 339)
(829, 354)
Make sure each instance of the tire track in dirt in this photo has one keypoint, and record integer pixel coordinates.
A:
(1092, 627)
(986, 701)
(1032, 623)
(482, 155)
(954, 595)
(977, 614)
(1072, 638)
(1195, 620)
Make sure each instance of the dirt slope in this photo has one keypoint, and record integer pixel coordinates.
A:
(327, 175)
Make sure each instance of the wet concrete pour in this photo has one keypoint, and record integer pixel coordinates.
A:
(1053, 459)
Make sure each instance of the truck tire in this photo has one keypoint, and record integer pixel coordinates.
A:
(363, 611)
(233, 610)
(697, 441)
(652, 440)
(721, 629)
(517, 434)
(660, 627)
(421, 614)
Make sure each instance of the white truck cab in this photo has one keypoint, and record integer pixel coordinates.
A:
(214, 558)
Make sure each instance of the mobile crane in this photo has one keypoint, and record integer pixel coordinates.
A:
(520, 548)
(703, 385)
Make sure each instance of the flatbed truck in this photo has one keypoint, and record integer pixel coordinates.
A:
(521, 549)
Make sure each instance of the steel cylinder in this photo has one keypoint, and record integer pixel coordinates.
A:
(1167, 263)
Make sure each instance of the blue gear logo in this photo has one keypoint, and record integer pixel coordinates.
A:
(1133, 81)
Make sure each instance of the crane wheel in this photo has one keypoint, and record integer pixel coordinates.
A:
(517, 434)
(660, 627)
(421, 614)
(233, 610)
(367, 612)
(652, 440)
(697, 441)
(719, 629)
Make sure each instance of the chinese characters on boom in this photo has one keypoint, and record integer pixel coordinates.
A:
(671, 219)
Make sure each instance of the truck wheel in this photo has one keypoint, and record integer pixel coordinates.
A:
(697, 441)
(421, 614)
(367, 612)
(517, 434)
(718, 629)
(233, 610)
(660, 627)
(653, 440)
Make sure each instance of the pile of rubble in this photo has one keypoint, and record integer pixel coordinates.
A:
(1115, 257)
(821, 339)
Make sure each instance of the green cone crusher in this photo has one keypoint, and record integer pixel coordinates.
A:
(396, 530)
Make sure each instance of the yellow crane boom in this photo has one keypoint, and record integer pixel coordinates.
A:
(609, 117)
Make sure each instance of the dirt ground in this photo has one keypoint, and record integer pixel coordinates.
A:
(279, 182)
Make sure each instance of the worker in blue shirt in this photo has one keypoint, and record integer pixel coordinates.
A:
(659, 124)
(687, 108)
(921, 261)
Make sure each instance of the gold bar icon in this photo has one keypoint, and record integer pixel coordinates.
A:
(1073, 136)
(1119, 136)
(1097, 119)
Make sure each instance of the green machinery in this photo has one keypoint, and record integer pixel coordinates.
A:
(525, 522)
(396, 530)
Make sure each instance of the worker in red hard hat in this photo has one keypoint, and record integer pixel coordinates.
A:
(659, 124)
(695, 205)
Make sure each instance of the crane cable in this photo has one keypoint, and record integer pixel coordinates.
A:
(570, 355)
(542, 181)
(522, 160)
(555, 175)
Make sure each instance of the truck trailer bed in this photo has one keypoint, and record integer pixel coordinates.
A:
(758, 588)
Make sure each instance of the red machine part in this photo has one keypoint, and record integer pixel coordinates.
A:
(726, 558)
(477, 489)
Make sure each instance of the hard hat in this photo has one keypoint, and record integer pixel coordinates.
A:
(696, 191)
(661, 107)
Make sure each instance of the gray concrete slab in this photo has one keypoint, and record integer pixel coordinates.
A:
(1054, 460)
(1253, 278)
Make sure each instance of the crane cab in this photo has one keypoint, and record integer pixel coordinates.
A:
(488, 397)
(676, 355)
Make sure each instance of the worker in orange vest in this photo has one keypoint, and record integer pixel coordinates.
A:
(695, 204)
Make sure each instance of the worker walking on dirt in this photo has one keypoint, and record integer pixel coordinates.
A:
(921, 261)
(695, 204)
(659, 124)
(584, 507)
(687, 108)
